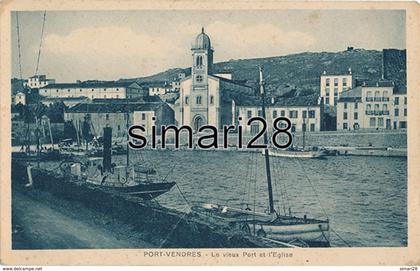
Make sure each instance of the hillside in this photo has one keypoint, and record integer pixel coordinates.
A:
(301, 71)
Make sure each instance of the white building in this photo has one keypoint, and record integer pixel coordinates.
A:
(331, 86)
(377, 105)
(304, 113)
(206, 98)
(94, 90)
(159, 89)
(38, 81)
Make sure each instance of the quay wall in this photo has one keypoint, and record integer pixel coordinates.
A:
(395, 139)
(160, 226)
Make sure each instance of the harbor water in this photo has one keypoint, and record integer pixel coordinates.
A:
(365, 198)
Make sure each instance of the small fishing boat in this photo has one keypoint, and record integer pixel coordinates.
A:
(286, 228)
(133, 180)
(297, 153)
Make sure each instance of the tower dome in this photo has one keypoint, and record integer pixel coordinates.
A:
(202, 41)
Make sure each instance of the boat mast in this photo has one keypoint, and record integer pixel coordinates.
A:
(127, 124)
(267, 159)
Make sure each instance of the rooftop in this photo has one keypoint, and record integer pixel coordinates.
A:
(112, 107)
(92, 84)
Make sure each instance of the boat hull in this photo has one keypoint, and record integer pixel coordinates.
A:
(146, 191)
(297, 154)
(309, 233)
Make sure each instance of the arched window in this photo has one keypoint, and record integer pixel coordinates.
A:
(199, 61)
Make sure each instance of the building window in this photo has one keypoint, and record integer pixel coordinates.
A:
(117, 89)
(403, 124)
(345, 105)
(211, 99)
(397, 100)
(356, 105)
(312, 127)
(143, 116)
(372, 122)
(335, 100)
(68, 90)
(345, 126)
(405, 112)
(186, 99)
(255, 128)
(304, 114)
(345, 115)
(282, 113)
(335, 91)
(327, 82)
(92, 89)
(249, 114)
(327, 100)
(198, 99)
(104, 96)
(199, 78)
(311, 114)
(335, 82)
(259, 113)
(117, 96)
(344, 82)
(356, 115)
(80, 90)
(119, 128)
(107, 116)
(293, 114)
(405, 100)
(327, 92)
(396, 112)
(199, 61)
(385, 107)
(104, 89)
(381, 122)
(274, 114)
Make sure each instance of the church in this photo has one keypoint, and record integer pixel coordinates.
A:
(207, 98)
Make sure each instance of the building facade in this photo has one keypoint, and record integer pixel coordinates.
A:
(206, 98)
(378, 105)
(304, 113)
(38, 81)
(331, 86)
(115, 115)
(94, 90)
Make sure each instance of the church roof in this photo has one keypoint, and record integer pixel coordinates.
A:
(202, 41)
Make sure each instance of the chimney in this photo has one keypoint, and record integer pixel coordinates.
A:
(272, 100)
(349, 70)
(324, 73)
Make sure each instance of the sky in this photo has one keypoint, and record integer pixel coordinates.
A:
(109, 45)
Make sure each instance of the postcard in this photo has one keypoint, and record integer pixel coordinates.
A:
(209, 133)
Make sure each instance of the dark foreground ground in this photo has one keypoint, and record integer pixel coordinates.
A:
(43, 221)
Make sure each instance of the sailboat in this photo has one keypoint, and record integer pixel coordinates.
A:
(302, 231)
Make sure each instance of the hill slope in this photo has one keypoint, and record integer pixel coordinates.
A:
(298, 70)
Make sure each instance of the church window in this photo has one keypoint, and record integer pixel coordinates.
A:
(198, 99)
(211, 99)
(199, 78)
(199, 61)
